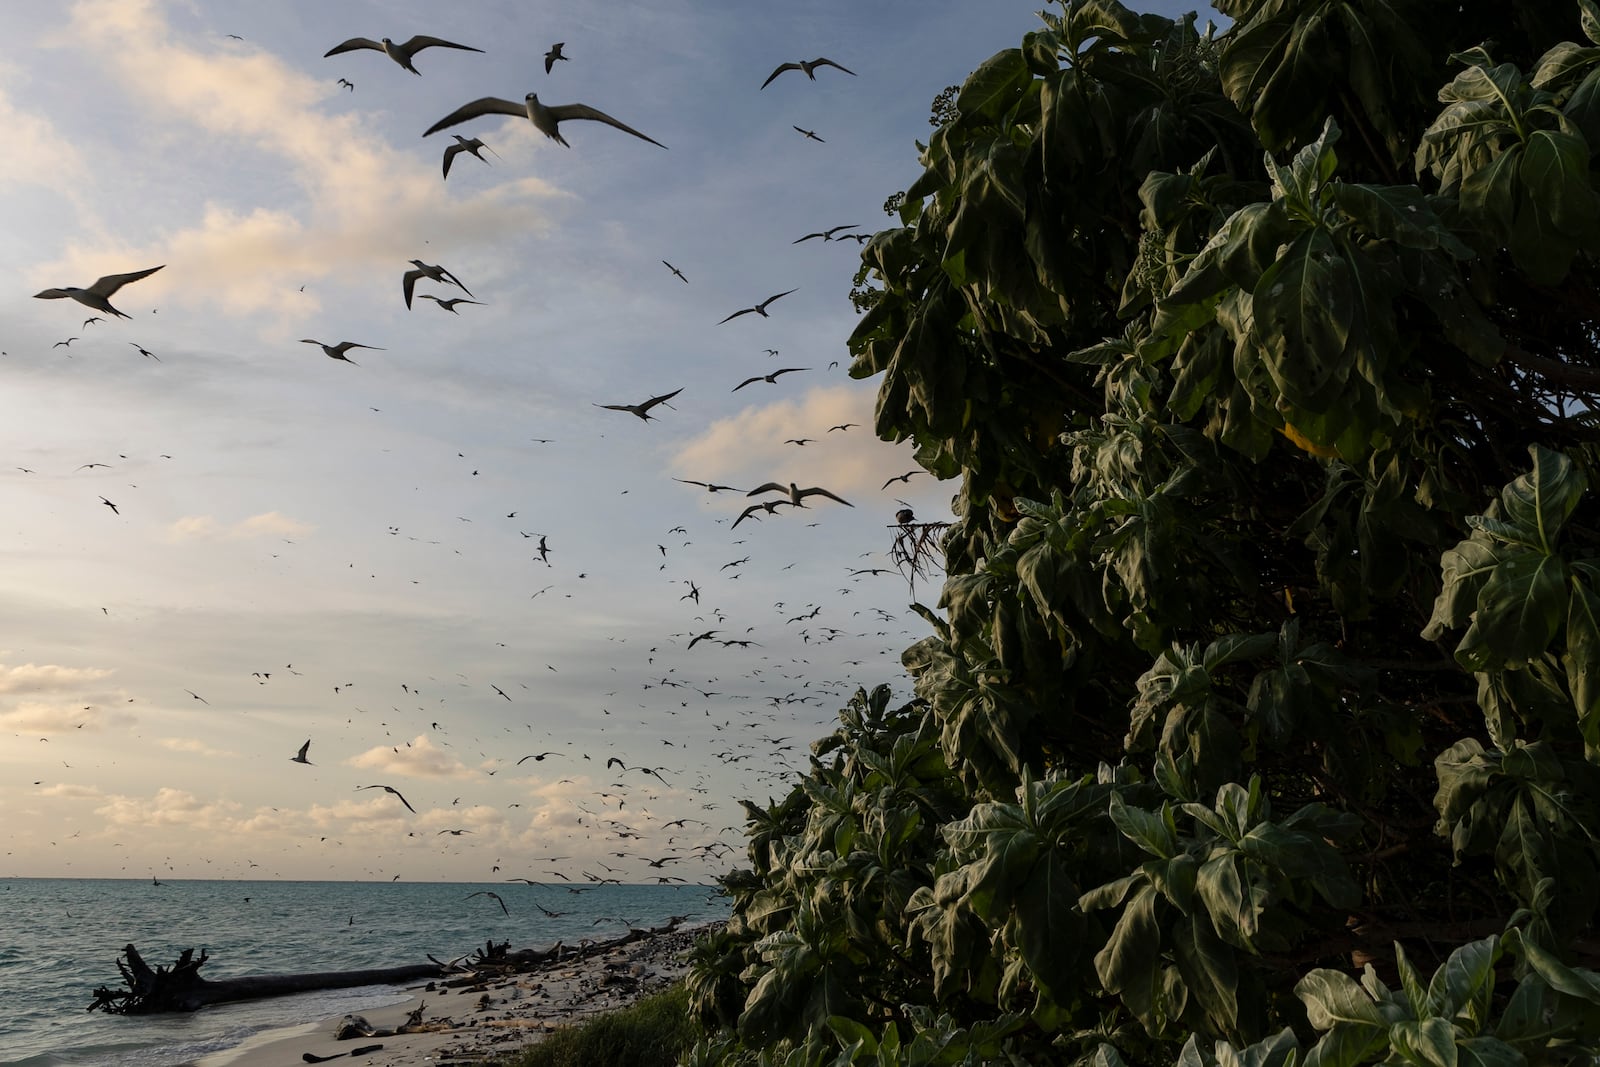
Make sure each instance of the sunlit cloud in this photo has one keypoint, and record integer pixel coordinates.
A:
(33, 678)
(417, 758)
(208, 528)
(46, 718)
(171, 807)
(35, 153)
(70, 791)
(197, 747)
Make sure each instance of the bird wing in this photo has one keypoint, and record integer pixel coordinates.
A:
(403, 800)
(836, 229)
(831, 63)
(780, 70)
(770, 299)
(769, 487)
(449, 154)
(747, 381)
(584, 111)
(736, 314)
(453, 280)
(345, 346)
(816, 491)
(352, 45)
(421, 41)
(786, 370)
(662, 399)
(484, 105)
(52, 294)
(809, 236)
(112, 282)
(304, 748)
(619, 407)
(410, 283)
(745, 514)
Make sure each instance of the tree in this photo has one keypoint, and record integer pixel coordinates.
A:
(1265, 680)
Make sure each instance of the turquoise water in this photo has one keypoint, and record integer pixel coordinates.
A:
(60, 938)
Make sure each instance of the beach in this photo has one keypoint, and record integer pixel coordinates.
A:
(483, 1021)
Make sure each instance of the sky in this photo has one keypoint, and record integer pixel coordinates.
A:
(346, 552)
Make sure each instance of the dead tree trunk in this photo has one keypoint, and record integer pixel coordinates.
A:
(182, 989)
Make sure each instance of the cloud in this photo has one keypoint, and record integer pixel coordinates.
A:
(69, 791)
(36, 717)
(200, 748)
(419, 758)
(171, 807)
(32, 678)
(35, 152)
(207, 528)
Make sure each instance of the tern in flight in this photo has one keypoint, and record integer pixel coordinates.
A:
(538, 757)
(826, 235)
(145, 352)
(759, 309)
(809, 68)
(769, 506)
(554, 55)
(338, 351)
(301, 758)
(710, 487)
(495, 896)
(546, 119)
(643, 409)
(98, 295)
(906, 477)
(389, 789)
(770, 378)
(797, 495)
(676, 271)
(348, 84)
(811, 135)
(448, 305)
(431, 272)
(463, 144)
(400, 53)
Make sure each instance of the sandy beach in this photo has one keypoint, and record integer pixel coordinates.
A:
(477, 1023)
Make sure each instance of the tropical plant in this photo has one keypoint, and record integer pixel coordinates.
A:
(1265, 677)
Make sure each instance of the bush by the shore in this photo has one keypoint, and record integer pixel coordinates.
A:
(651, 1032)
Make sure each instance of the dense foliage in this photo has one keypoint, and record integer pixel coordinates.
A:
(1261, 718)
(651, 1032)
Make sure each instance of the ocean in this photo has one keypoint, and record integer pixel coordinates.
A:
(60, 939)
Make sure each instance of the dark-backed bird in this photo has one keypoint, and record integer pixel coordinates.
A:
(400, 53)
(547, 120)
(301, 757)
(114, 511)
(826, 235)
(642, 409)
(464, 144)
(761, 308)
(537, 757)
(448, 305)
(431, 271)
(676, 271)
(389, 789)
(98, 295)
(552, 57)
(91, 320)
(67, 343)
(348, 84)
(710, 487)
(809, 67)
(906, 477)
(797, 495)
(769, 378)
(338, 351)
(769, 506)
(811, 135)
(495, 896)
(146, 352)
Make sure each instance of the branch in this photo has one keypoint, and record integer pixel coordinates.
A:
(1587, 378)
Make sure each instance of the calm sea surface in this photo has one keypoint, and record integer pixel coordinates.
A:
(60, 938)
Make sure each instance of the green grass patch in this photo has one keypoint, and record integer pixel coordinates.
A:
(648, 1033)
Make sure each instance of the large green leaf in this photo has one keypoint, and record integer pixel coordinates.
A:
(1543, 498)
(1129, 963)
(1520, 607)
(1304, 307)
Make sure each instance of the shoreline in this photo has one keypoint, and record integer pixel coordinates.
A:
(486, 1021)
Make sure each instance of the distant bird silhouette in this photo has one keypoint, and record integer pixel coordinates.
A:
(348, 84)
(710, 487)
(454, 833)
(463, 144)
(338, 351)
(843, 426)
(65, 344)
(98, 295)
(495, 896)
(554, 56)
(537, 757)
(400, 53)
(642, 409)
(448, 305)
(110, 505)
(811, 135)
(798, 495)
(146, 352)
(769, 506)
(676, 271)
(759, 309)
(808, 66)
(546, 119)
(91, 320)
(389, 789)
(826, 235)
(301, 757)
(769, 378)
(906, 477)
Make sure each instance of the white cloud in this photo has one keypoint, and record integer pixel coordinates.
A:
(417, 758)
(208, 528)
(32, 678)
(199, 748)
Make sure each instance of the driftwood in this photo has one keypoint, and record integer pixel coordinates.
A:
(182, 989)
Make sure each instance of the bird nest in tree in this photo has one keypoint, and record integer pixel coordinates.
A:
(916, 552)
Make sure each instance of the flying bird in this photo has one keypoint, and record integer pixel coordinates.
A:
(348, 84)
(770, 378)
(642, 409)
(463, 144)
(449, 305)
(400, 53)
(843, 426)
(537, 757)
(554, 55)
(495, 896)
(808, 67)
(710, 487)
(301, 758)
(338, 351)
(146, 352)
(676, 271)
(769, 506)
(98, 295)
(91, 320)
(67, 343)
(389, 789)
(826, 235)
(546, 119)
(797, 495)
(811, 135)
(759, 309)
(114, 511)
(432, 272)
(906, 477)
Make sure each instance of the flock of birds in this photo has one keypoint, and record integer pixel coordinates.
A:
(751, 708)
